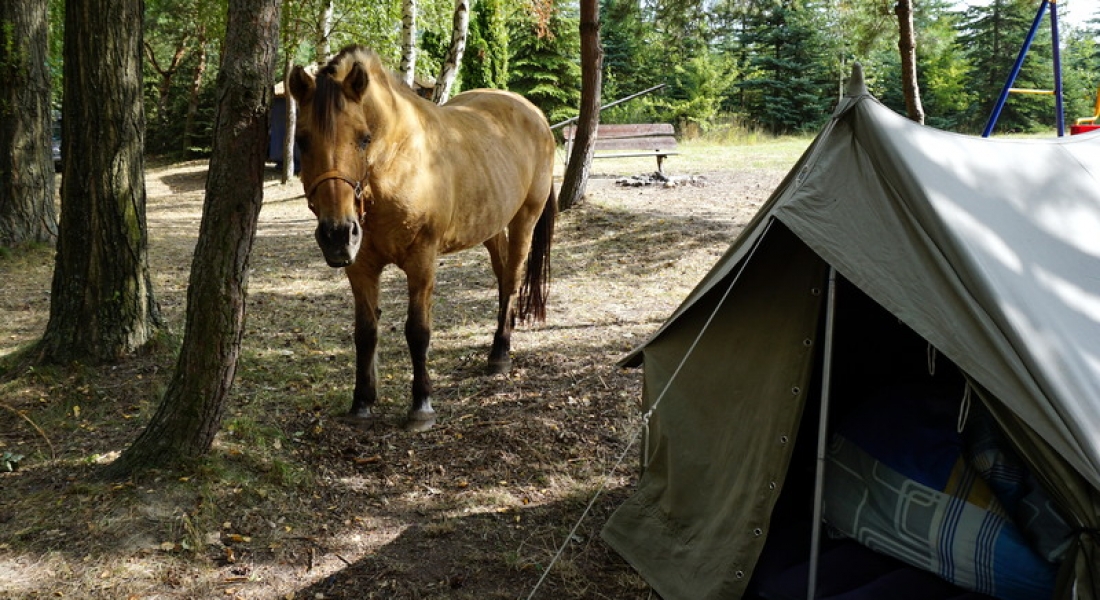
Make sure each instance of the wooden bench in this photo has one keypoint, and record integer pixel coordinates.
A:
(652, 139)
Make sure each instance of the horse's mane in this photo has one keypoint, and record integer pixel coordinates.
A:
(328, 97)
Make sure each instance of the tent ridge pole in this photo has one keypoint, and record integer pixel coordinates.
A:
(822, 433)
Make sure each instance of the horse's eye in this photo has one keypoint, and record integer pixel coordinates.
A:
(303, 142)
(364, 141)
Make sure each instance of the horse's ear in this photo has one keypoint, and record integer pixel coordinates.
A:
(355, 82)
(301, 85)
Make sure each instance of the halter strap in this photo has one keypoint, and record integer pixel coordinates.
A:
(356, 186)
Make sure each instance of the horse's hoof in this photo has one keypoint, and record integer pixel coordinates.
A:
(358, 418)
(420, 420)
(500, 367)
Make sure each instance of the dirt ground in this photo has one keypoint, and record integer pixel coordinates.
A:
(292, 502)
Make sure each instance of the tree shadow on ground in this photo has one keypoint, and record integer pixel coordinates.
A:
(485, 497)
(499, 553)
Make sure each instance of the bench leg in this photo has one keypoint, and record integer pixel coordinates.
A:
(660, 161)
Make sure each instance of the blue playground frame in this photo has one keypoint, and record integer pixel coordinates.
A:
(1060, 116)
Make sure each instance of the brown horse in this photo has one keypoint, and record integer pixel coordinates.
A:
(396, 179)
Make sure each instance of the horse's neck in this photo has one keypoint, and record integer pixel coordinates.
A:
(397, 122)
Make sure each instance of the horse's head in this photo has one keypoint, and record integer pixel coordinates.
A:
(333, 135)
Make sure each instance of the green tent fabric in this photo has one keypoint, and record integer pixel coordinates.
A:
(988, 249)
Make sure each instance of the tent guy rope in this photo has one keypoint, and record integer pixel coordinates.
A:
(644, 425)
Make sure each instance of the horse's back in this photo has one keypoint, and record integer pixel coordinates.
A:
(503, 128)
(514, 113)
(495, 163)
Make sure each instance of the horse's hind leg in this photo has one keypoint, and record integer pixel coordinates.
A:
(500, 359)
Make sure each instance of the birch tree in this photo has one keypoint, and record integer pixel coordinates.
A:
(324, 32)
(449, 70)
(408, 41)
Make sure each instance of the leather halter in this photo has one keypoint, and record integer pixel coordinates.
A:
(356, 186)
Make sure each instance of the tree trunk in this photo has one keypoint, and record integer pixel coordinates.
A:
(575, 179)
(167, 74)
(191, 411)
(102, 305)
(27, 210)
(291, 106)
(408, 41)
(449, 71)
(907, 46)
(196, 91)
(324, 33)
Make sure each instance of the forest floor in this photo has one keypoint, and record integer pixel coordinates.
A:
(292, 502)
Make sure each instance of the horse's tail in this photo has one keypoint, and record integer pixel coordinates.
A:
(536, 283)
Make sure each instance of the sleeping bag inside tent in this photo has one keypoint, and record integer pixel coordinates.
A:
(913, 318)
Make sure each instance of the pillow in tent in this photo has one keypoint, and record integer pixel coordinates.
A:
(1017, 489)
(898, 483)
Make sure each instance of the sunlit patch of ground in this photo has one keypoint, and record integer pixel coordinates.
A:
(293, 502)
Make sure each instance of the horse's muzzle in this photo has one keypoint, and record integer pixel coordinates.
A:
(339, 241)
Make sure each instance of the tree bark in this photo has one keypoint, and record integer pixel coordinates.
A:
(102, 305)
(575, 179)
(907, 46)
(191, 411)
(27, 210)
(449, 71)
(408, 41)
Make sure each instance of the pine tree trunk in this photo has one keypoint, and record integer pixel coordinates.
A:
(907, 46)
(27, 210)
(191, 411)
(102, 305)
(449, 71)
(575, 180)
(408, 41)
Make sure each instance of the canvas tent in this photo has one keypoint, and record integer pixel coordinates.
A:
(982, 252)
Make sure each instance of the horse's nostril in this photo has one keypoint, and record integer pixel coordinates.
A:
(356, 230)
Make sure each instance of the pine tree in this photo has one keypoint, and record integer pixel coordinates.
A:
(787, 86)
(631, 55)
(485, 63)
(993, 36)
(544, 66)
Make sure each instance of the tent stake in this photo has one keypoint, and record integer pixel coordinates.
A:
(822, 433)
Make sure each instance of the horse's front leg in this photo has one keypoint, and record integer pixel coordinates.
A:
(418, 333)
(364, 279)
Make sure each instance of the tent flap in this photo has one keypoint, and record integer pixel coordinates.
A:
(700, 516)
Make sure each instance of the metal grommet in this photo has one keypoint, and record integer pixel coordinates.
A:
(815, 291)
(771, 485)
(796, 390)
(807, 342)
(758, 532)
(739, 574)
(783, 439)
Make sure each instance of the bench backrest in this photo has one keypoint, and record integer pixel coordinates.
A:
(637, 136)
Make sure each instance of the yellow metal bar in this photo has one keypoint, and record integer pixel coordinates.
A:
(1027, 91)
